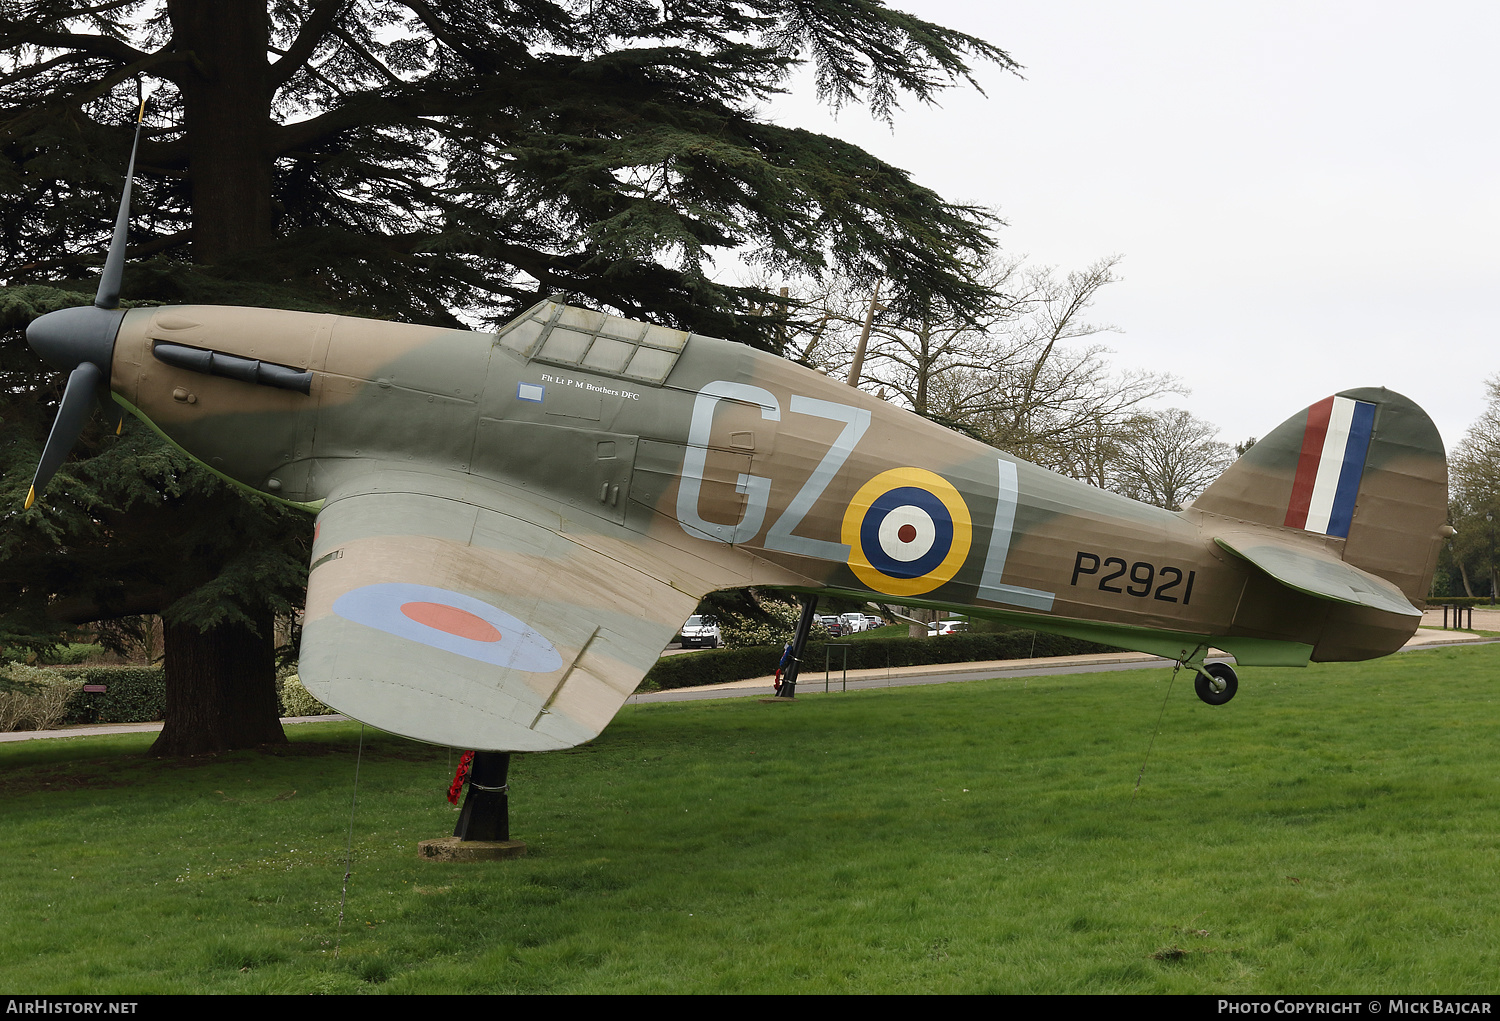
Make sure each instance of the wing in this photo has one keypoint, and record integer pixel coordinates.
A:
(463, 615)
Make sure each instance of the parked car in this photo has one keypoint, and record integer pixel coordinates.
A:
(947, 627)
(832, 623)
(853, 622)
(871, 623)
(701, 631)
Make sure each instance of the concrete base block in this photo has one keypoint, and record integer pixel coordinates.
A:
(453, 849)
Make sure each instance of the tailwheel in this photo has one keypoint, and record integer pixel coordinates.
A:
(1216, 683)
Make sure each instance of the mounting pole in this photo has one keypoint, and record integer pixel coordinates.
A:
(799, 641)
(486, 811)
(483, 830)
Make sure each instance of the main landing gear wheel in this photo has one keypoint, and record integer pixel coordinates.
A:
(1217, 683)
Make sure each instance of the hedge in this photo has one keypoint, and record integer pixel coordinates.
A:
(136, 694)
(133, 694)
(296, 700)
(722, 666)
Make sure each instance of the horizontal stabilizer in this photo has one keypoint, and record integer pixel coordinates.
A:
(1316, 572)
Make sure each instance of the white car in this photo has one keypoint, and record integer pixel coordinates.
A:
(701, 631)
(947, 627)
(853, 622)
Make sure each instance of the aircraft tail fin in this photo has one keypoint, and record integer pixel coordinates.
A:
(1365, 468)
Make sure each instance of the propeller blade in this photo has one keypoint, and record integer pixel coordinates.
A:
(82, 340)
(108, 296)
(78, 398)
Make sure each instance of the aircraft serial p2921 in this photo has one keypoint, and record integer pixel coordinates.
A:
(511, 525)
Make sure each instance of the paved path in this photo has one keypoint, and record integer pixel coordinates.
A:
(129, 728)
(812, 682)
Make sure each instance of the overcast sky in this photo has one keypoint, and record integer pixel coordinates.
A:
(1304, 193)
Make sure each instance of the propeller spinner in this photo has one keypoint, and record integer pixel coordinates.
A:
(81, 342)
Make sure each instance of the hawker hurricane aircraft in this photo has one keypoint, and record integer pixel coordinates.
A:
(511, 525)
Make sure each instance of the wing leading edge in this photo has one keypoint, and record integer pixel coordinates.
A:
(470, 619)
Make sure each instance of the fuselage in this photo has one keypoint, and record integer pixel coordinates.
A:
(760, 470)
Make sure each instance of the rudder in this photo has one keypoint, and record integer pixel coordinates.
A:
(1364, 468)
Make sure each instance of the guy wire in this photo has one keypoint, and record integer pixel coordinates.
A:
(349, 845)
(1150, 744)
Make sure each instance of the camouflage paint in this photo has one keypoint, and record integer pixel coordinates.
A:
(592, 478)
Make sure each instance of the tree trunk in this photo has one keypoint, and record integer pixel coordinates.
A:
(221, 689)
(226, 111)
(221, 683)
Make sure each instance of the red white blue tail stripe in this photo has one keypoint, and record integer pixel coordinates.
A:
(1334, 446)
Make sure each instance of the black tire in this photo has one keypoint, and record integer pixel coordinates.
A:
(1219, 687)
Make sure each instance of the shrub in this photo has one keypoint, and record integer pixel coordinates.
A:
(774, 628)
(296, 700)
(34, 698)
(133, 694)
(73, 654)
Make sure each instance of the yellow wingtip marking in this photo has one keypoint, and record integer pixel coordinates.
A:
(30, 498)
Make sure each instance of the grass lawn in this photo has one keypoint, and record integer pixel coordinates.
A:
(1333, 829)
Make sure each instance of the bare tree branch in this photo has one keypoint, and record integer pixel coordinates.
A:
(313, 32)
(95, 45)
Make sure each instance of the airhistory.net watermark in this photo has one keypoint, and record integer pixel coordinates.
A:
(46, 1005)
